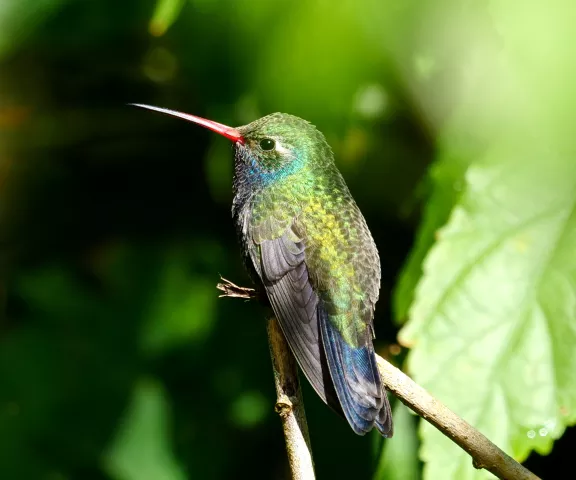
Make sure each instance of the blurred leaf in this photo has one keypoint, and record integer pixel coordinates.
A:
(19, 18)
(399, 456)
(249, 409)
(301, 48)
(141, 449)
(183, 307)
(165, 14)
(447, 178)
(72, 352)
(495, 311)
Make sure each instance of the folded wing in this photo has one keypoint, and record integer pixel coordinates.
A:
(345, 377)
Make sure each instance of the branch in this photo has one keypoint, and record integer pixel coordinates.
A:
(483, 452)
(289, 402)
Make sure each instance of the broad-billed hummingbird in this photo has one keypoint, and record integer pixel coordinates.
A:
(307, 245)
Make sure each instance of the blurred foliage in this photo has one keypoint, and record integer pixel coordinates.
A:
(165, 13)
(141, 449)
(452, 123)
(494, 308)
(399, 459)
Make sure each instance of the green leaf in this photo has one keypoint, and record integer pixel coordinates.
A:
(399, 456)
(492, 327)
(446, 178)
(165, 14)
(141, 449)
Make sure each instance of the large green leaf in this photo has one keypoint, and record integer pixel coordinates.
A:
(493, 325)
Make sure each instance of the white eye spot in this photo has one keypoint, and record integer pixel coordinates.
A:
(284, 151)
(281, 148)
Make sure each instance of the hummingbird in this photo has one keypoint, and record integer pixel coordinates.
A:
(308, 248)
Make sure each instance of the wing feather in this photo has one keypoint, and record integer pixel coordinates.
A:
(345, 377)
(286, 280)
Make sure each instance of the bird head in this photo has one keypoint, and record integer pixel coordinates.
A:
(269, 148)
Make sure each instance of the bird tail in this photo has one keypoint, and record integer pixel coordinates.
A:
(356, 379)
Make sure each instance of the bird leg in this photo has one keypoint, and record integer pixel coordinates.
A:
(232, 290)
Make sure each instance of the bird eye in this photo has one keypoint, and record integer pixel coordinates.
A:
(267, 144)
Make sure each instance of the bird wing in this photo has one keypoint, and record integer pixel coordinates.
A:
(344, 376)
(281, 265)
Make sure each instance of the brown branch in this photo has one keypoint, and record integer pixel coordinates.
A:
(289, 403)
(483, 452)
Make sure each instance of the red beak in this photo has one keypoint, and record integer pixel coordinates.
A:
(228, 132)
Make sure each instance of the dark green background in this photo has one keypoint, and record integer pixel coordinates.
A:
(116, 225)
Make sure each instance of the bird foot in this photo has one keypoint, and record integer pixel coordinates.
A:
(232, 290)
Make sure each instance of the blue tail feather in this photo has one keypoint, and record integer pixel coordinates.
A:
(357, 382)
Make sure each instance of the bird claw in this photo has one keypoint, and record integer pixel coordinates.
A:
(232, 290)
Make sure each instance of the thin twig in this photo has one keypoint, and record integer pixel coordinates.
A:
(289, 403)
(483, 452)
